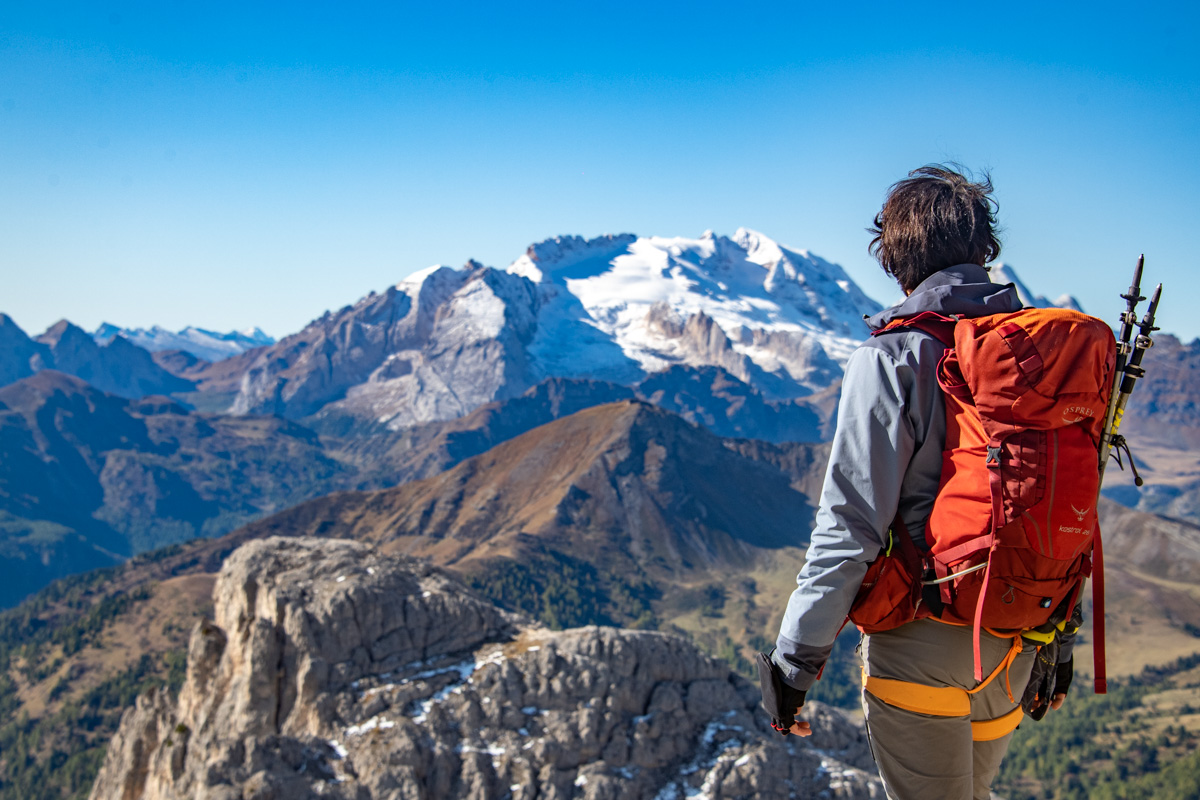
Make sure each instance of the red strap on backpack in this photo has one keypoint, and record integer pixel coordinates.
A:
(995, 484)
(1098, 616)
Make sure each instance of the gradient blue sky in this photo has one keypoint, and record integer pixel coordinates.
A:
(229, 165)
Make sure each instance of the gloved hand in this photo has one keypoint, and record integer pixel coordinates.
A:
(1039, 692)
(1048, 683)
(1051, 678)
(1062, 682)
(780, 700)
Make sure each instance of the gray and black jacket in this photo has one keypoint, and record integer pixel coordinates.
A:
(886, 460)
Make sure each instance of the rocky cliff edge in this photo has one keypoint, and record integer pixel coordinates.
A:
(332, 672)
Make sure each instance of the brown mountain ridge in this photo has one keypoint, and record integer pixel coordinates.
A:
(626, 486)
(87, 478)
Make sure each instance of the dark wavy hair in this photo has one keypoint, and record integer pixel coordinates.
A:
(935, 218)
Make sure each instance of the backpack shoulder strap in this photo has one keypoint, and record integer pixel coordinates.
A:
(939, 326)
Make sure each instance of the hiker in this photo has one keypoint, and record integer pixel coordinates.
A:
(934, 235)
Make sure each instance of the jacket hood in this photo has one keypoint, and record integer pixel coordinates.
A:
(963, 289)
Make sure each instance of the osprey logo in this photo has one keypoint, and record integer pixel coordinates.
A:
(1077, 413)
(1079, 515)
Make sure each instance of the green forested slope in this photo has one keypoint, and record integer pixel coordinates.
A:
(1139, 740)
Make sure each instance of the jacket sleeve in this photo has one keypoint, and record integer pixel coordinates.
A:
(885, 414)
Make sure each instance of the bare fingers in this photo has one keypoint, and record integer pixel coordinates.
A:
(800, 729)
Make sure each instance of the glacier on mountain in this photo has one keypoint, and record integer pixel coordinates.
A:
(782, 312)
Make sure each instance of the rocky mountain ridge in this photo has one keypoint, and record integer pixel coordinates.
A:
(331, 672)
(117, 367)
(199, 342)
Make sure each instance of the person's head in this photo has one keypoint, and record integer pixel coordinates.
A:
(933, 219)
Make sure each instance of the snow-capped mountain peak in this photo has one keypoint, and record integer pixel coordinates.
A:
(759, 248)
(564, 256)
(255, 335)
(615, 308)
(200, 342)
(417, 278)
(763, 298)
(1004, 273)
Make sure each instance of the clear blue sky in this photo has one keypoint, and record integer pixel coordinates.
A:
(228, 165)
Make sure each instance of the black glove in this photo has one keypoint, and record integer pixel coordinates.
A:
(1063, 675)
(1040, 689)
(1051, 677)
(779, 699)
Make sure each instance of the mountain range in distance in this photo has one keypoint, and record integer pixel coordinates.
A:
(215, 346)
(444, 341)
(88, 478)
(1004, 273)
(737, 334)
(205, 344)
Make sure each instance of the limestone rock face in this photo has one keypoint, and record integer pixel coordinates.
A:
(330, 671)
(433, 348)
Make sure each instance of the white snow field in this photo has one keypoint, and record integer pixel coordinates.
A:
(784, 310)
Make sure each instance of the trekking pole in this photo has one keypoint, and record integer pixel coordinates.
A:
(1128, 319)
(1128, 368)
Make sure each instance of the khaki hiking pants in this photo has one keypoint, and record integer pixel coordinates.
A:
(939, 756)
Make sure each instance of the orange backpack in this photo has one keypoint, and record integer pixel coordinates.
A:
(1014, 527)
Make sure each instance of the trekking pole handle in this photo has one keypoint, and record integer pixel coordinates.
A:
(1128, 317)
(1147, 324)
(1134, 295)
